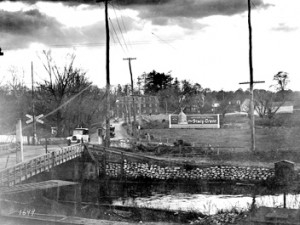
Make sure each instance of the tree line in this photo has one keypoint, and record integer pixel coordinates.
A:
(175, 95)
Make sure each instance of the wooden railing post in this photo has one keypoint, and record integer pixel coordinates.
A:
(122, 166)
(104, 162)
(53, 159)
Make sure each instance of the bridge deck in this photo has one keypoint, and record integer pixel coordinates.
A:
(34, 165)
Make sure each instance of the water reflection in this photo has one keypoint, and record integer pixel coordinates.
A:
(204, 197)
(208, 204)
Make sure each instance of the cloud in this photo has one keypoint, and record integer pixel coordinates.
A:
(285, 28)
(25, 22)
(21, 28)
(167, 9)
(141, 2)
(18, 29)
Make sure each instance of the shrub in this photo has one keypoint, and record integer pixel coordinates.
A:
(156, 124)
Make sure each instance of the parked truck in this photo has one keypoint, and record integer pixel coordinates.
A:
(80, 135)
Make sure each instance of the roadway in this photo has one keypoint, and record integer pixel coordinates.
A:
(8, 159)
(120, 133)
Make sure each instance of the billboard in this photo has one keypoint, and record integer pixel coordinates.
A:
(194, 121)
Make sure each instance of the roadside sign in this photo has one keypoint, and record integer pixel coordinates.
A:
(36, 118)
(194, 121)
(30, 119)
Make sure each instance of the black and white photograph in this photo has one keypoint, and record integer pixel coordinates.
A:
(123, 112)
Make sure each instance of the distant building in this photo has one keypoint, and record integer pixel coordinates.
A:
(281, 107)
(143, 104)
(286, 107)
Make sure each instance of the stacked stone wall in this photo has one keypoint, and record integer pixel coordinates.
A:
(153, 171)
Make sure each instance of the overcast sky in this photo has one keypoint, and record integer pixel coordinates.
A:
(204, 41)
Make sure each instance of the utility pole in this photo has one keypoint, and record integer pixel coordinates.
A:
(107, 139)
(252, 119)
(133, 104)
(33, 107)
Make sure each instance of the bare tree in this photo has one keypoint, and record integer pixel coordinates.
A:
(267, 103)
(59, 90)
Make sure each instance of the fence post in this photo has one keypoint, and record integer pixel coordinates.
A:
(104, 162)
(53, 159)
(46, 143)
(122, 166)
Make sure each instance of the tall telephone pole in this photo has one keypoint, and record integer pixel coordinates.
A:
(251, 82)
(133, 104)
(33, 107)
(251, 79)
(107, 139)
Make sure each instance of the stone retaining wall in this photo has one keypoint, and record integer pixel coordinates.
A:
(146, 170)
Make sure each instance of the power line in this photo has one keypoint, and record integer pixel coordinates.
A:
(112, 36)
(163, 41)
(120, 27)
(123, 24)
(253, 4)
(116, 35)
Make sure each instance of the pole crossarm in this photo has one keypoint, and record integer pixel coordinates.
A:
(253, 82)
(129, 58)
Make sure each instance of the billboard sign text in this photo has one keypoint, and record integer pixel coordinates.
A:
(195, 121)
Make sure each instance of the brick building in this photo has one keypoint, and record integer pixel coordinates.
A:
(143, 104)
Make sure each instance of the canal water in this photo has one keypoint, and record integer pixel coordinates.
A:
(127, 200)
(200, 197)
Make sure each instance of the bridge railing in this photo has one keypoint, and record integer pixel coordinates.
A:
(22, 171)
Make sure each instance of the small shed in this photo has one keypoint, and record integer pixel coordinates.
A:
(284, 171)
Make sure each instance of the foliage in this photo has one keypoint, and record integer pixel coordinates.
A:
(155, 124)
(155, 82)
(168, 99)
(267, 103)
(61, 87)
(282, 79)
(16, 98)
(175, 95)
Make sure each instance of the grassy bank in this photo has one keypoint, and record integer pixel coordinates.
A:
(276, 139)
